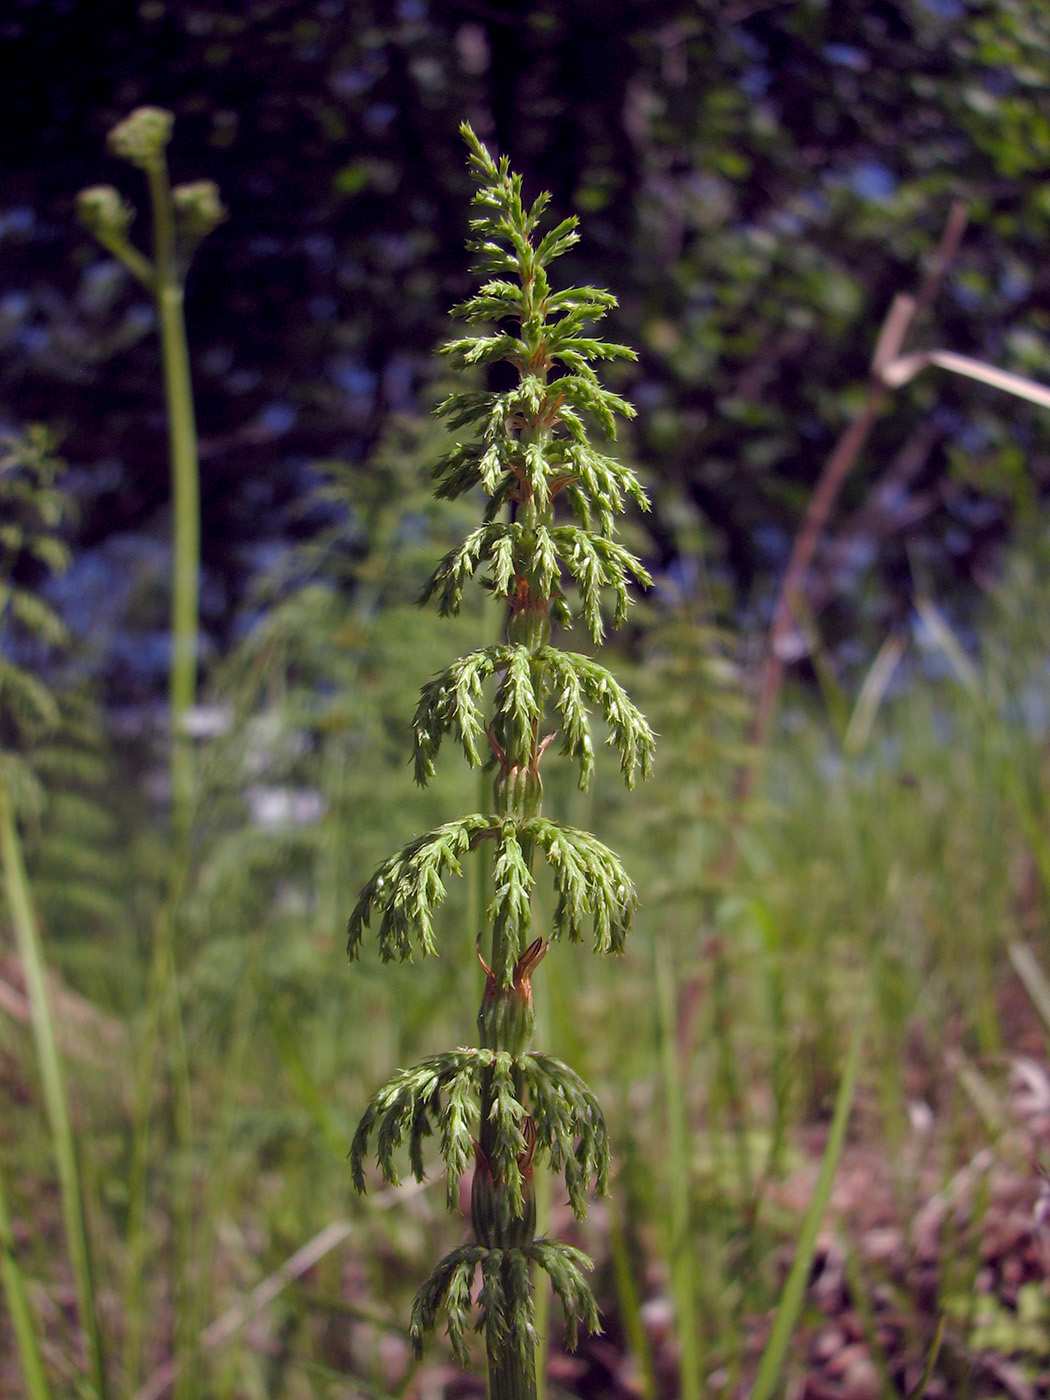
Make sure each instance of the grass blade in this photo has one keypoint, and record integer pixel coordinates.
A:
(787, 1314)
(919, 1389)
(30, 950)
(1033, 979)
(630, 1303)
(680, 1235)
(19, 1311)
(945, 640)
(872, 692)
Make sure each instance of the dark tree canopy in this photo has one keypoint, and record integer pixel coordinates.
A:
(758, 180)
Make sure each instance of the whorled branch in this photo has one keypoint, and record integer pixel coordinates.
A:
(444, 1092)
(570, 1127)
(595, 485)
(409, 1105)
(564, 1266)
(589, 880)
(409, 887)
(451, 1287)
(505, 1310)
(451, 704)
(595, 562)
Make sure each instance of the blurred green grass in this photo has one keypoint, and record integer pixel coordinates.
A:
(881, 880)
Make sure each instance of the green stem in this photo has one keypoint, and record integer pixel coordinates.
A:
(792, 1295)
(541, 1291)
(508, 1380)
(185, 475)
(182, 689)
(159, 1009)
(187, 1259)
(137, 1239)
(21, 1314)
(136, 264)
(681, 1236)
(163, 279)
(30, 950)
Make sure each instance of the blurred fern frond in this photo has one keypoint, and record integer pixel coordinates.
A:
(51, 747)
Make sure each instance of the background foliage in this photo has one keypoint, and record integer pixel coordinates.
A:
(757, 180)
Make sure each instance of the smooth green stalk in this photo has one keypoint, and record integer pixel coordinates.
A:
(137, 1236)
(524, 1107)
(919, 1388)
(19, 1310)
(185, 484)
(215, 1204)
(180, 218)
(30, 950)
(162, 1010)
(189, 1267)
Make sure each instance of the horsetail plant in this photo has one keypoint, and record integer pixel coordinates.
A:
(503, 1106)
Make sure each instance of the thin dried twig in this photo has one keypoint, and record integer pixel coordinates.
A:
(901, 317)
(898, 371)
(888, 509)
